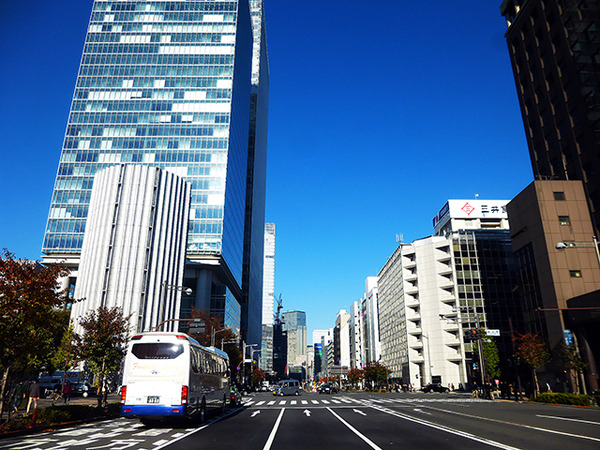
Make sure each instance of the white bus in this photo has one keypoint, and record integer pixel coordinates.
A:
(170, 375)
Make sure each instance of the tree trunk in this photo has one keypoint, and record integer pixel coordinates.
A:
(536, 384)
(101, 385)
(2, 388)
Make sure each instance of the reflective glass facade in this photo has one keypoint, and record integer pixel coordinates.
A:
(167, 84)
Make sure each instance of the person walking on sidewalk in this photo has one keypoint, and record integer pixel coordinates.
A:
(34, 395)
(66, 391)
(19, 395)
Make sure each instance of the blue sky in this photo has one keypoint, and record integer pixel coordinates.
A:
(380, 111)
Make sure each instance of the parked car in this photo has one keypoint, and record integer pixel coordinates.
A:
(84, 389)
(327, 388)
(435, 387)
(235, 396)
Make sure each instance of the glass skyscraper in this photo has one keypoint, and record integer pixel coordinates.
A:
(167, 84)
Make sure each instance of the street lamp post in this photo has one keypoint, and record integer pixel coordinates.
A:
(562, 245)
(163, 292)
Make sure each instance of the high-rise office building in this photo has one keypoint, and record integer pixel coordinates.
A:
(252, 277)
(268, 298)
(554, 49)
(294, 324)
(169, 84)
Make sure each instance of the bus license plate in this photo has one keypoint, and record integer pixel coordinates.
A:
(153, 399)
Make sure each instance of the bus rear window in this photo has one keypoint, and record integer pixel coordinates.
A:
(157, 351)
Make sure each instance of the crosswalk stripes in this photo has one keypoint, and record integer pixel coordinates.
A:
(362, 401)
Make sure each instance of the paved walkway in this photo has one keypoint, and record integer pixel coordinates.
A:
(46, 402)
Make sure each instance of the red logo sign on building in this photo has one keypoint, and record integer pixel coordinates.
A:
(468, 209)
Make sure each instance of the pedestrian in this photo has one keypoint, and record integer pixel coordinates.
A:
(19, 395)
(34, 395)
(66, 391)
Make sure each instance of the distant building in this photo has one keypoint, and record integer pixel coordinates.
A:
(294, 324)
(432, 290)
(372, 342)
(341, 340)
(321, 338)
(357, 335)
(554, 51)
(268, 297)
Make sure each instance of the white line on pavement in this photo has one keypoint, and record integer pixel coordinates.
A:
(566, 418)
(274, 431)
(272, 402)
(293, 402)
(355, 431)
(304, 402)
(316, 402)
(530, 427)
(282, 402)
(259, 403)
(444, 428)
(325, 401)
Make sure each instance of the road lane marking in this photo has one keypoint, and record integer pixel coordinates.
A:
(272, 402)
(444, 428)
(307, 412)
(274, 431)
(293, 402)
(336, 401)
(325, 401)
(566, 418)
(355, 431)
(194, 430)
(259, 403)
(358, 411)
(282, 402)
(530, 427)
(304, 402)
(248, 403)
(316, 402)
(255, 413)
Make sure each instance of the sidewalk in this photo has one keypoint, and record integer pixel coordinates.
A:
(46, 402)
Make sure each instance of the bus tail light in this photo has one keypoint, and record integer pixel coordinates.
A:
(184, 395)
(123, 394)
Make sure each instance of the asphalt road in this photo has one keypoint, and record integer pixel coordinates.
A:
(350, 421)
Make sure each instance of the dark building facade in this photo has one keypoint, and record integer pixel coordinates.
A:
(554, 48)
(552, 238)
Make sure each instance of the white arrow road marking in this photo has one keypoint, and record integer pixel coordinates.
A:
(421, 411)
(359, 412)
(255, 413)
(307, 412)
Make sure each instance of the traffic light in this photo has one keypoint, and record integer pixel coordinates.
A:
(473, 335)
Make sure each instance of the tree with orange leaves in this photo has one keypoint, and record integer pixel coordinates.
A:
(534, 352)
(29, 314)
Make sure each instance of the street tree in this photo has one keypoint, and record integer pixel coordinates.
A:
(491, 357)
(68, 353)
(355, 376)
(105, 335)
(258, 376)
(30, 299)
(571, 361)
(532, 350)
(376, 373)
(224, 337)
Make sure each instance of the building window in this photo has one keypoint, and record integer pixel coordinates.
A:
(564, 220)
(558, 196)
(575, 273)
